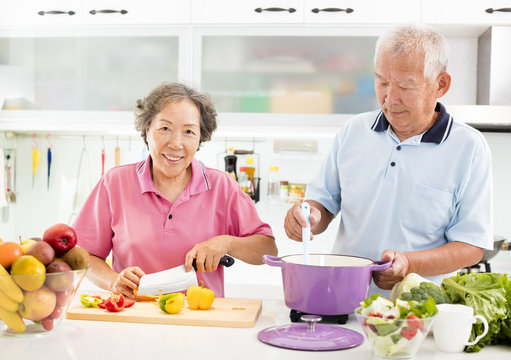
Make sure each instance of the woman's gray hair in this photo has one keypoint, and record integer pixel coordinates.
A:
(405, 39)
(158, 98)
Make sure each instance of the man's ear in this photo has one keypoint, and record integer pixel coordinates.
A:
(444, 83)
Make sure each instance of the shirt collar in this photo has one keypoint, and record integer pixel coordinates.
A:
(198, 183)
(437, 133)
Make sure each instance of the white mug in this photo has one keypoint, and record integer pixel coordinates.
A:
(453, 325)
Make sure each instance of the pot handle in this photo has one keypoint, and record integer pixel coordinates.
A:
(381, 265)
(273, 260)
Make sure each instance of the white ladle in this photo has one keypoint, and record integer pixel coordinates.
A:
(306, 232)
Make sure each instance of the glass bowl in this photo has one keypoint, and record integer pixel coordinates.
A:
(45, 299)
(394, 338)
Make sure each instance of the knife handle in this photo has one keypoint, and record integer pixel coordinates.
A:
(225, 260)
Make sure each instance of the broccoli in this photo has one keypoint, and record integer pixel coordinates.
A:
(424, 291)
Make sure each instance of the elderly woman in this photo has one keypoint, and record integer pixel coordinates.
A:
(170, 208)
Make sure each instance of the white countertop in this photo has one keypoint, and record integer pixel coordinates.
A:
(85, 340)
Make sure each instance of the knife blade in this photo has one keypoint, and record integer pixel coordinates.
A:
(174, 279)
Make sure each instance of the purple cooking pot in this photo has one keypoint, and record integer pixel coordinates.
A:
(330, 285)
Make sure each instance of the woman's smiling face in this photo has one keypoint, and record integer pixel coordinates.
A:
(173, 138)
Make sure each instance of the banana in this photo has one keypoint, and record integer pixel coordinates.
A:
(12, 320)
(7, 303)
(9, 287)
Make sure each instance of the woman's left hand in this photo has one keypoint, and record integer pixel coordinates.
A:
(208, 253)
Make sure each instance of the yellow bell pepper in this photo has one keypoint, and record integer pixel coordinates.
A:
(199, 297)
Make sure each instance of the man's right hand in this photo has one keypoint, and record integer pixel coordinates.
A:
(295, 221)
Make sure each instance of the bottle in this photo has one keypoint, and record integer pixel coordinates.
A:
(273, 184)
(284, 191)
(230, 163)
(251, 178)
(243, 180)
(296, 193)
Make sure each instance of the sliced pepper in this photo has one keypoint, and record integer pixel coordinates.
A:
(90, 301)
(116, 302)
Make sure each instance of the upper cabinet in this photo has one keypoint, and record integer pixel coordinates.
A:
(304, 11)
(468, 12)
(86, 12)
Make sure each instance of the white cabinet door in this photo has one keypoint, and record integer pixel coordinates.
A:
(40, 13)
(361, 12)
(246, 11)
(136, 12)
(488, 12)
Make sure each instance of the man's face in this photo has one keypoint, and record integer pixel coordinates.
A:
(407, 98)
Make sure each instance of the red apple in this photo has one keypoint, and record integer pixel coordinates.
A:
(47, 323)
(59, 276)
(57, 312)
(62, 297)
(61, 237)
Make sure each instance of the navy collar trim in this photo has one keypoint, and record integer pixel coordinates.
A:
(438, 133)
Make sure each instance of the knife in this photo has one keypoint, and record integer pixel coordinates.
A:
(173, 280)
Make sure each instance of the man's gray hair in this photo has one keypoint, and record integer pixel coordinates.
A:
(408, 38)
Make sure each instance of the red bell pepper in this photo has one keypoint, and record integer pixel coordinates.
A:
(116, 302)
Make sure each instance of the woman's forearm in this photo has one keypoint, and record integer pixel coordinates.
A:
(251, 249)
(100, 273)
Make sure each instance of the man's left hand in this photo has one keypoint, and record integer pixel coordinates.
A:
(387, 278)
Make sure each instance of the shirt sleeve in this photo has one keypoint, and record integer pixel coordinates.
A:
(325, 187)
(93, 223)
(473, 219)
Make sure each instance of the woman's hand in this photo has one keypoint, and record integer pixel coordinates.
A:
(127, 280)
(208, 253)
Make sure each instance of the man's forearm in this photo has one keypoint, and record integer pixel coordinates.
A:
(444, 259)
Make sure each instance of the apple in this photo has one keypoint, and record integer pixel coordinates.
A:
(26, 244)
(38, 304)
(47, 323)
(58, 276)
(57, 312)
(63, 297)
(28, 272)
(61, 238)
(42, 251)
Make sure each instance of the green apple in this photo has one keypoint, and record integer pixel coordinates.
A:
(25, 244)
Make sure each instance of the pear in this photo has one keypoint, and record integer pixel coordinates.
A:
(77, 257)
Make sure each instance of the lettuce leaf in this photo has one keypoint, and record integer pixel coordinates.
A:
(488, 294)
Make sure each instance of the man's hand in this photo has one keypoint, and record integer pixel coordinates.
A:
(295, 221)
(387, 278)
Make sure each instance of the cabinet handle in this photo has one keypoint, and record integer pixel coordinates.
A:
(94, 12)
(348, 10)
(56, 12)
(491, 10)
(260, 10)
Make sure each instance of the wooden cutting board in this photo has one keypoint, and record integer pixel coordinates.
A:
(225, 312)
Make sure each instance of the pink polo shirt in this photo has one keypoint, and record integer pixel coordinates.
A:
(125, 214)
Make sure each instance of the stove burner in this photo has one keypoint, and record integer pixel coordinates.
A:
(295, 316)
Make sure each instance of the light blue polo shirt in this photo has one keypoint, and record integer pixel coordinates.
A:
(417, 194)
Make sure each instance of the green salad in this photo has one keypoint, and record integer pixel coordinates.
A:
(396, 329)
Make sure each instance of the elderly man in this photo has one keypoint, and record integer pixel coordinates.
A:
(412, 184)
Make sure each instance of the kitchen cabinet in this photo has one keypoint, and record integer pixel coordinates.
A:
(86, 71)
(304, 11)
(89, 12)
(287, 72)
(467, 12)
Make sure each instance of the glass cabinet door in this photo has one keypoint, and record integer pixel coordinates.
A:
(84, 73)
(289, 74)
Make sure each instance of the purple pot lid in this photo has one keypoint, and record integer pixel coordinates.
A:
(321, 337)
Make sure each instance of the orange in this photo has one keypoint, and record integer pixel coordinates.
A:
(9, 251)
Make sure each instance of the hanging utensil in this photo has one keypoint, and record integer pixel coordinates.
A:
(117, 154)
(36, 156)
(84, 160)
(10, 195)
(49, 161)
(103, 157)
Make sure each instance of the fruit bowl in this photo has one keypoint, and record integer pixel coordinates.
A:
(34, 305)
(394, 338)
